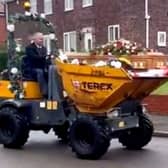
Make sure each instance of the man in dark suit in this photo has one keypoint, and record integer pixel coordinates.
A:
(35, 62)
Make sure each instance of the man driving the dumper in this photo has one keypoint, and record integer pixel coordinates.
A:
(35, 62)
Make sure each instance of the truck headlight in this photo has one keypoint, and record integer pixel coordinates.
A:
(114, 113)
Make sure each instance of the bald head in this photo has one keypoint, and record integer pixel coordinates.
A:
(38, 38)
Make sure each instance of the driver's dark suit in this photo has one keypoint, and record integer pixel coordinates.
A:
(34, 65)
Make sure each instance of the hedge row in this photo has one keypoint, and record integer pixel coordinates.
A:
(3, 60)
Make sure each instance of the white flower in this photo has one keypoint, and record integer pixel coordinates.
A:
(84, 62)
(9, 86)
(21, 95)
(127, 51)
(18, 49)
(11, 27)
(127, 42)
(100, 63)
(49, 24)
(116, 64)
(34, 15)
(75, 61)
(103, 46)
(15, 92)
(52, 36)
(134, 48)
(42, 15)
(62, 56)
(27, 13)
(14, 70)
(52, 56)
(127, 46)
(115, 44)
(109, 53)
(112, 63)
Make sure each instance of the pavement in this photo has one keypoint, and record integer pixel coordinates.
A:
(160, 125)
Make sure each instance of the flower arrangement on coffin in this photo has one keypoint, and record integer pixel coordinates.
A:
(118, 48)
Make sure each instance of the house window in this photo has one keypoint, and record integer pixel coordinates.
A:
(2, 10)
(86, 3)
(69, 5)
(47, 43)
(48, 7)
(161, 39)
(70, 41)
(113, 32)
(33, 6)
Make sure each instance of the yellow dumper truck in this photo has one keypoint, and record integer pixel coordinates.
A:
(101, 103)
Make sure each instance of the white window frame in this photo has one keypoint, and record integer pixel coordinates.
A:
(2, 9)
(48, 7)
(114, 32)
(47, 43)
(88, 37)
(161, 42)
(68, 42)
(68, 5)
(33, 6)
(87, 33)
(86, 3)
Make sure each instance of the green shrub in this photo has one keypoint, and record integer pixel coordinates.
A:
(162, 90)
(3, 60)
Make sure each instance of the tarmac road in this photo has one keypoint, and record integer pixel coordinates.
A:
(45, 151)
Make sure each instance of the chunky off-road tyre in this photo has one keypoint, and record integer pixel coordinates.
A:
(62, 132)
(14, 130)
(138, 137)
(88, 139)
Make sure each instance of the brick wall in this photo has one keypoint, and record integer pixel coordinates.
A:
(158, 12)
(129, 14)
(2, 30)
(157, 104)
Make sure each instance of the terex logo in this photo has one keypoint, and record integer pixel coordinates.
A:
(92, 85)
(97, 86)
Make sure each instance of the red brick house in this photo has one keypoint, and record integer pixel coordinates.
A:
(84, 24)
(2, 25)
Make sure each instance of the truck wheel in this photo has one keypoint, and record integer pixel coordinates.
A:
(88, 139)
(14, 130)
(138, 137)
(62, 131)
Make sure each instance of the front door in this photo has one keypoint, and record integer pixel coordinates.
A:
(88, 41)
